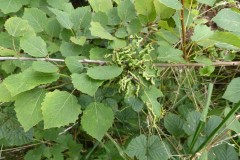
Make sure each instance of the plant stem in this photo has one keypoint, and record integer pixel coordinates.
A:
(214, 132)
(183, 31)
(121, 152)
(87, 61)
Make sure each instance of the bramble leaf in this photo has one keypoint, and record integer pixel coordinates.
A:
(101, 5)
(59, 108)
(126, 10)
(5, 95)
(174, 4)
(148, 148)
(97, 119)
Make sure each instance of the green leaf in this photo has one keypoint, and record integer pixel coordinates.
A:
(5, 95)
(212, 124)
(162, 10)
(174, 4)
(45, 67)
(121, 32)
(36, 18)
(101, 5)
(7, 52)
(98, 53)
(97, 119)
(208, 2)
(174, 124)
(149, 97)
(98, 31)
(27, 80)
(126, 11)
(193, 119)
(81, 17)
(232, 92)
(34, 46)
(28, 107)
(148, 148)
(79, 41)
(206, 70)
(170, 54)
(60, 108)
(104, 72)
(17, 27)
(10, 6)
(62, 17)
(113, 18)
(146, 8)
(134, 26)
(226, 37)
(69, 49)
(201, 32)
(12, 131)
(228, 20)
(85, 84)
(53, 28)
(135, 103)
(225, 152)
(73, 64)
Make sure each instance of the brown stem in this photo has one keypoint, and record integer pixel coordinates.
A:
(183, 31)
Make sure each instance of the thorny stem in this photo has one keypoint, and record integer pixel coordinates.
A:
(183, 31)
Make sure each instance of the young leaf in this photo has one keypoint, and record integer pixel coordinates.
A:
(36, 18)
(17, 27)
(7, 52)
(97, 119)
(27, 80)
(104, 72)
(174, 4)
(10, 6)
(62, 17)
(98, 31)
(34, 46)
(233, 91)
(101, 5)
(45, 67)
(149, 97)
(60, 108)
(28, 107)
(146, 8)
(85, 84)
(126, 11)
(151, 148)
(228, 20)
(5, 95)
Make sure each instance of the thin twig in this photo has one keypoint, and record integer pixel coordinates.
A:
(87, 61)
(183, 31)
(51, 60)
